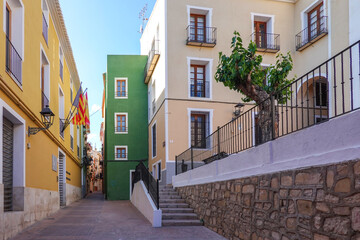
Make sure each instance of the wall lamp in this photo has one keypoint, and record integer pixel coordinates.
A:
(238, 108)
(47, 118)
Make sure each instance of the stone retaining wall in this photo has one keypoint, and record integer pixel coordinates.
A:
(320, 203)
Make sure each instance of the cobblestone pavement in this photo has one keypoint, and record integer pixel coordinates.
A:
(94, 218)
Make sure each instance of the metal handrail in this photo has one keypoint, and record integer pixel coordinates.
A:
(208, 36)
(287, 115)
(152, 185)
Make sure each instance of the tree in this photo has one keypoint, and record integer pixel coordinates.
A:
(242, 72)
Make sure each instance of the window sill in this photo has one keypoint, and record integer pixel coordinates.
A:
(14, 79)
(121, 97)
(200, 98)
(121, 132)
(121, 159)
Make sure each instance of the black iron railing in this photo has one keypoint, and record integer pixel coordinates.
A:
(13, 61)
(152, 185)
(327, 91)
(62, 124)
(71, 142)
(45, 29)
(311, 33)
(78, 151)
(121, 155)
(266, 41)
(121, 94)
(201, 36)
(44, 100)
(202, 89)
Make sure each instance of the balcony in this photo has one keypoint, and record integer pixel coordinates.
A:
(153, 58)
(45, 29)
(44, 100)
(266, 42)
(311, 34)
(13, 62)
(201, 37)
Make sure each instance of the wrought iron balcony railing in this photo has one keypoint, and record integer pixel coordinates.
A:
(266, 42)
(62, 124)
(121, 130)
(203, 37)
(121, 94)
(44, 100)
(312, 33)
(13, 61)
(153, 57)
(45, 29)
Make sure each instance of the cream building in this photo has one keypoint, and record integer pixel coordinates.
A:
(183, 40)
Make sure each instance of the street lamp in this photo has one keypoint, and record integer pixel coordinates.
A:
(238, 107)
(47, 118)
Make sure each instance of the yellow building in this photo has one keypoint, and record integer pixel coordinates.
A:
(38, 172)
(183, 40)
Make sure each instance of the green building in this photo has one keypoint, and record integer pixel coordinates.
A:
(126, 130)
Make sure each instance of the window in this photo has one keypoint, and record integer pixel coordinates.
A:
(200, 77)
(197, 27)
(153, 97)
(198, 130)
(153, 137)
(14, 45)
(321, 93)
(121, 88)
(44, 79)
(71, 135)
(78, 141)
(61, 112)
(121, 123)
(121, 153)
(45, 20)
(315, 20)
(197, 78)
(260, 34)
(61, 57)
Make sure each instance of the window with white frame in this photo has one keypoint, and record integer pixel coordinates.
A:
(45, 20)
(200, 24)
(44, 79)
(121, 123)
(121, 88)
(14, 30)
(263, 31)
(199, 129)
(71, 136)
(200, 78)
(61, 63)
(121, 153)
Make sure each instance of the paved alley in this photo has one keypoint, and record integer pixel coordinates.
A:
(94, 218)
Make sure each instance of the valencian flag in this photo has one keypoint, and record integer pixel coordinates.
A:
(82, 116)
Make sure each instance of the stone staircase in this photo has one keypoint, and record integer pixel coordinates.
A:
(175, 211)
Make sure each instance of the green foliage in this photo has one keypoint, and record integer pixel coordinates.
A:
(235, 70)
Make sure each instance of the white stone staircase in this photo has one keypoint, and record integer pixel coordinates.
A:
(175, 211)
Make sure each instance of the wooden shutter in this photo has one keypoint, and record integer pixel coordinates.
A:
(8, 150)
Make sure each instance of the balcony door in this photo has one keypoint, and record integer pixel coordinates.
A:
(198, 130)
(197, 79)
(260, 34)
(197, 27)
(315, 21)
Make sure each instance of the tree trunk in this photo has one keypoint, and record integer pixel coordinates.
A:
(266, 123)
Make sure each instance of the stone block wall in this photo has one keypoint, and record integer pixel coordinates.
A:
(320, 203)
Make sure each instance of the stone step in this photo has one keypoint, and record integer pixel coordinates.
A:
(173, 205)
(165, 187)
(168, 193)
(177, 210)
(179, 216)
(181, 223)
(170, 197)
(172, 200)
(166, 190)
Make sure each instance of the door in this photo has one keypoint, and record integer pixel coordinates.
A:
(197, 27)
(197, 78)
(198, 130)
(62, 180)
(315, 21)
(260, 34)
(8, 150)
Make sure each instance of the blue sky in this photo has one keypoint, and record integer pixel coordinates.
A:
(96, 29)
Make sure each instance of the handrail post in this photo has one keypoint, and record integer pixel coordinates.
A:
(176, 165)
(192, 158)
(218, 136)
(273, 116)
(158, 196)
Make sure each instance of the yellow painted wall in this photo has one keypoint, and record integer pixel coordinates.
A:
(160, 138)
(39, 173)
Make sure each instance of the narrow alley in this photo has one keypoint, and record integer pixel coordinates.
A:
(94, 218)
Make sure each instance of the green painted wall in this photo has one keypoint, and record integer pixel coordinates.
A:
(117, 173)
